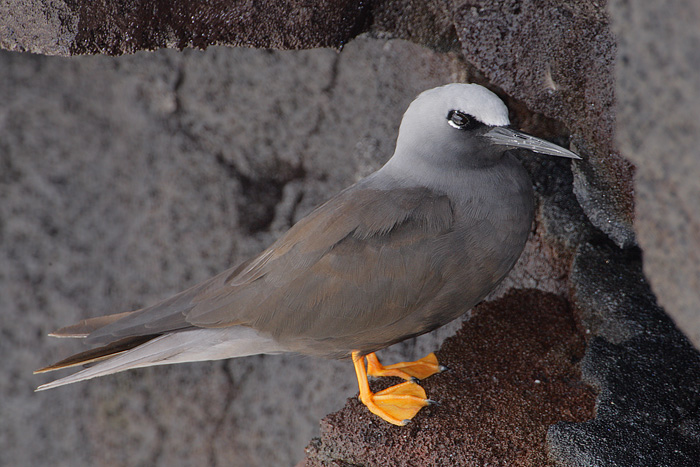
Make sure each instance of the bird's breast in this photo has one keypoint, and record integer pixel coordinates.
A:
(493, 218)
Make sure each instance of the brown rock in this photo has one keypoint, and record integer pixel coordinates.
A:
(512, 374)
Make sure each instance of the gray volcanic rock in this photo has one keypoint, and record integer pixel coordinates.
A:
(556, 57)
(658, 89)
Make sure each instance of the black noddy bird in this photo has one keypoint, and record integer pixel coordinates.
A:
(404, 251)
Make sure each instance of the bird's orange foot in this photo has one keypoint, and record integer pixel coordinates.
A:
(420, 369)
(396, 404)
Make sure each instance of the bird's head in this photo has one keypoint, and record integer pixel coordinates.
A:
(463, 125)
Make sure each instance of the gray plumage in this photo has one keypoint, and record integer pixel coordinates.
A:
(400, 253)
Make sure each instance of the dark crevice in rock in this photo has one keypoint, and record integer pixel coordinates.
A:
(647, 372)
(160, 429)
(256, 206)
(223, 413)
(233, 386)
(259, 196)
(177, 86)
(333, 78)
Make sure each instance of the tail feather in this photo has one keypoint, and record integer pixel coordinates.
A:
(93, 356)
(163, 349)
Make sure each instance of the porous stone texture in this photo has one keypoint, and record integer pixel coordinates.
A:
(513, 364)
(658, 88)
(77, 27)
(37, 26)
(557, 58)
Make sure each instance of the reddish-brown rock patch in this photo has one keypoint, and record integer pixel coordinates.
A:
(513, 373)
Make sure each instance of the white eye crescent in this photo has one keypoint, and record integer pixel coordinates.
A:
(461, 121)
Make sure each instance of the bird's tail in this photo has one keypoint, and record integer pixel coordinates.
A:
(93, 356)
(82, 329)
(187, 345)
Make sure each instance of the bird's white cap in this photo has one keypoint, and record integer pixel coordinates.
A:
(471, 99)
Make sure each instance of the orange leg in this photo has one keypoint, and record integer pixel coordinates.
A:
(396, 404)
(421, 369)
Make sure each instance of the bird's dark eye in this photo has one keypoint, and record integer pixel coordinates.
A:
(461, 121)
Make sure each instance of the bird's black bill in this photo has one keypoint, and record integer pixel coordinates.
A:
(514, 139)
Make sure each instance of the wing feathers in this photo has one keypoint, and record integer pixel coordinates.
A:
(360, 241)
(85, 327)
(336, 239)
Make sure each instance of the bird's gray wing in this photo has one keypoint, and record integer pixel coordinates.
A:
(365, 253)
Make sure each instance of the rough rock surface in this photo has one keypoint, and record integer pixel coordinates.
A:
(513, 364)
(658, 88)
(557, 57)
(647, 372)
(76, 27)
